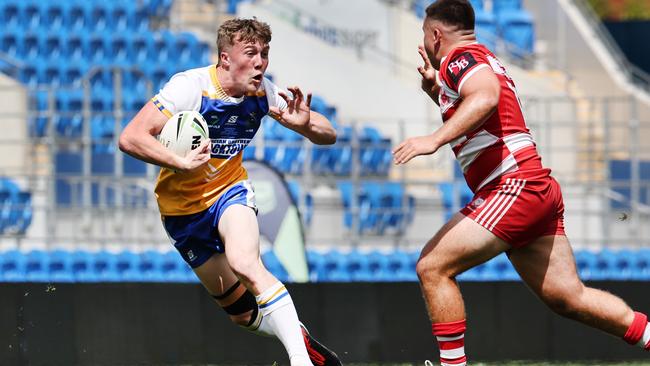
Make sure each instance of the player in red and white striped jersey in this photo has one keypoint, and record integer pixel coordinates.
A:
(517, 206)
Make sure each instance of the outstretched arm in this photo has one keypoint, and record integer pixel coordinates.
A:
(137, 139)
(299, 117)
(480, 97)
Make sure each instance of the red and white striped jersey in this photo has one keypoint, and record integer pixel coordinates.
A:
(502, 144)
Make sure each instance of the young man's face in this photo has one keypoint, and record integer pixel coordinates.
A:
(247, 63)
(432, 42)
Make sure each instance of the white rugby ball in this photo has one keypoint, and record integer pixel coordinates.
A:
(184, 132)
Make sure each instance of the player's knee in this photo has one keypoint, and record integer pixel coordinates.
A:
(427, 269)
(246, 269)
(565, 303)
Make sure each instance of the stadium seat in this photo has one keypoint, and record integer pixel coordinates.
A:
(127, 266)
(24, 211)
(74, 47)
(455, 195)
(67, 164)
(29, 47)
(121, 15)
(81, 266)
(28, 75)
(75, 17)
(36, 266)
(30, 14)
(517, 29)
(12, 266)
(104, 265)
(96, 49)
(60, 266)
(52, 15)
(10, 14)
(306, 207)
(150, 266)
(486, 29)
(499, 6)
(586, 264)
(118, 44)
(50, 74)
(11, 42)
(51, 47)
(97, 15)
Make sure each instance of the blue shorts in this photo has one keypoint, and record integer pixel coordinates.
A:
(196, 236)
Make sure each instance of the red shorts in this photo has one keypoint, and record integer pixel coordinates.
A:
(519, 210)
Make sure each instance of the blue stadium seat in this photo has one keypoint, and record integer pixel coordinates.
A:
(336, 267)
(477, 5)
(60, 266)
(118, 44)
(586, 264)
(36, 266)
(174, 269)
(30, 14)
(183, 48)
(97, 15)
(53, 15)
(499, 6)
(121, 15)
(340, 154)
(11, 42)
(81, 266)
(518, 30)
(358, 266)
(486, 29)
(158, 49)
(400, 206)
(452, 193)
(150, 266)
(379, 267)
(10, 14)
(96, 48)
(375, 152)
(51, 47)
(69, 103)
(28, 75)
(127, 266)
(74, 47)
(24, 211)
(72, 73)
(67, 164)
(104, 266)
(12, 266)
(50, 74)
(307, 206)
(316, 265)
(29, 47)
(75, 17)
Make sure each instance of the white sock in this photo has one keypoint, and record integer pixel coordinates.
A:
(279, 314)
(645, 339)
(260, 326)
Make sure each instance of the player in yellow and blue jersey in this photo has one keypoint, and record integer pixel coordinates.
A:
(206, 202)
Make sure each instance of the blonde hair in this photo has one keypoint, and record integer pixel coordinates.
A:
(242, 30)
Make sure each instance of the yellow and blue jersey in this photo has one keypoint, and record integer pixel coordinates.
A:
(232, 123)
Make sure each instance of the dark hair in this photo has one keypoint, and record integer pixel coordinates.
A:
(457, 13)
(244, 30)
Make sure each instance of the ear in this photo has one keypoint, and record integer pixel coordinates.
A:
(224, 59)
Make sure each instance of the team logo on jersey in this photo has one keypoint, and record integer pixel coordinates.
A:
(477, 203)
(190, 255)
(459, 65)
(232, 120)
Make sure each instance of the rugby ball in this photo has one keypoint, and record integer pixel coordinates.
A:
(184, 132)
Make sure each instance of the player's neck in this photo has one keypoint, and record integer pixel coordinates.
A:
(227, 83)
(459, 41)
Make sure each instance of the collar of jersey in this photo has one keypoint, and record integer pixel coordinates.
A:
(219, 90)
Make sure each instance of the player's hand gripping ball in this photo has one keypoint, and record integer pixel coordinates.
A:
(183, 132)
